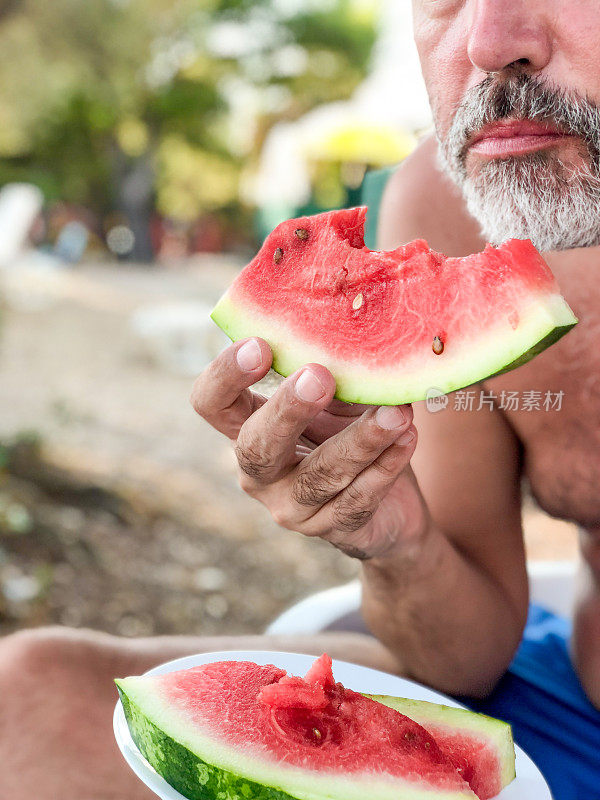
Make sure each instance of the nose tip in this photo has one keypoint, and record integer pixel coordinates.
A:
(506, 36)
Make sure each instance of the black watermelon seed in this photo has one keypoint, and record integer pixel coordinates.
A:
(277, 255)
(302, 234)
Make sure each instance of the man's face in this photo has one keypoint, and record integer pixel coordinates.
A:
(514, 87)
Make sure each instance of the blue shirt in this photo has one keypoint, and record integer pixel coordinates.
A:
(552, 719)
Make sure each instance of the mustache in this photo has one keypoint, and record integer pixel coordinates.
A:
(524, 97)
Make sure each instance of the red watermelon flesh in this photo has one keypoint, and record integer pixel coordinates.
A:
(476, 763)
(480, 747)
(391, 325)
(279, 714)
(345, 728)
(310, 738)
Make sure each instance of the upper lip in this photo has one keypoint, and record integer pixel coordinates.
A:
(513, 128)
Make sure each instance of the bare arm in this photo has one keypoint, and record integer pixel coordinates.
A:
(452, 606)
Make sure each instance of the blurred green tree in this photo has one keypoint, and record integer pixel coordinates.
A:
(129, 105)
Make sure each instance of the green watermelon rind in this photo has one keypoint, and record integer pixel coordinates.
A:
(185, 771)
(202, 768)
(551, 338)
(494, 731)
(541, 323)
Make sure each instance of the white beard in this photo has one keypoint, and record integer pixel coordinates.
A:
(532, 197)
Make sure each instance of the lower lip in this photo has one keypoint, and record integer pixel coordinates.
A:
(499, 146)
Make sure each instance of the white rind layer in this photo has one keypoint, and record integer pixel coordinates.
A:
(487, 353)
(304, 784)
(497, 733)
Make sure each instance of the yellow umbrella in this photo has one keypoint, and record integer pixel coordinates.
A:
(362, 143)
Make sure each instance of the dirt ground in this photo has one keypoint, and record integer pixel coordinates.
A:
(119, 509)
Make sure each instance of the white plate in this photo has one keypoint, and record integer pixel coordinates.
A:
(528, 784)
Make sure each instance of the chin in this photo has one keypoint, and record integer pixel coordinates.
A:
(553, 201)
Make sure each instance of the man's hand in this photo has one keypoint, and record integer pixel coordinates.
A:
(322, 468)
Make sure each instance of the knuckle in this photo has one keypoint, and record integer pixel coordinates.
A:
(327, 474)
(350, 520)
(314, 486)
(282, 517)
(353, 510)
(252, 459)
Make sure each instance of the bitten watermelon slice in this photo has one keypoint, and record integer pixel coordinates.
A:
(239, 731)
(392, 325)
(480, 747)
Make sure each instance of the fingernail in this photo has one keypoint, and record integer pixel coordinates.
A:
(406, 438)
(390, 417)
(308, 387)
(249, 355)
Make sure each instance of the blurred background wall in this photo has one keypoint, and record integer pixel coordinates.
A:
(146, 147)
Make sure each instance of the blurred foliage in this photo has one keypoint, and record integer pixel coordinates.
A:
(190, 179)
(130, 105)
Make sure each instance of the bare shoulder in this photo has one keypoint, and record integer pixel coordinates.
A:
(422, 203)
(467, 463)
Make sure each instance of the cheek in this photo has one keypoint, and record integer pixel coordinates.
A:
(577, 50)
(447, 71)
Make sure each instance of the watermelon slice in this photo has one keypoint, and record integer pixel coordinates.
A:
(480, 747)
(392, 325)
(237, 730)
